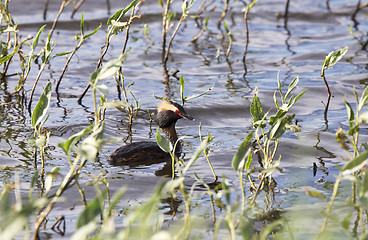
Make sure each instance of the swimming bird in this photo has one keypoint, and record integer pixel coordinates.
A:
(148, 152)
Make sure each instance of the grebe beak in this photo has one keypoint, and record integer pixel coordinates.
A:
(186, 116)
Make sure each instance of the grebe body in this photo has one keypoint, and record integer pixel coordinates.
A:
(145, 153)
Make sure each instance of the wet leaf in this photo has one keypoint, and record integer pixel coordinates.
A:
(350, 113)
(279, 128)
(66, 146)
(291, 86)
(35, 42)
(242, 153)
(363, 99)
(345, 223)
(355, 164)
(163, 142)
(249, 161)
(50, 177)
(116, 198)
(6, 58)
(315, 194)
(92, 211)
(333, 57)
(182, 90)
(196, 154)
(93, 143)
(116, 104)
(256, 109)
(107, 70)
(120, 14)
(42, 106)
(103, 90)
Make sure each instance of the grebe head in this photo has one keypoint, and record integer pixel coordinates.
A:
(168, 112)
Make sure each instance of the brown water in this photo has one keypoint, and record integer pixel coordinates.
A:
(293, 46)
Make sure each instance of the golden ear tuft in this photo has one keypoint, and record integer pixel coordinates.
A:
(166, 105)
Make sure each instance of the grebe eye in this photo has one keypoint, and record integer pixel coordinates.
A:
(177, 111)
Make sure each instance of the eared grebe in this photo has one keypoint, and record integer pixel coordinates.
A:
(145, 153)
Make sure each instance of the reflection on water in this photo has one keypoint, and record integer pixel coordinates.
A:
(289, 37)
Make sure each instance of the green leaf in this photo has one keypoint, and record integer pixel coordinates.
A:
(116, 104)
(107, 70)
(249, 161)
(116, 198)
(199, 95)
(242, 153)
(82, 24)
(196, 154)
(50, 177)
(7, 57)
(74, 138)
(363, 99)
(355, 164)
(256, 109)
(315, 194)
(35, 42)
(103, 90)
(279, 87)
(92, 211)
(182, 90)
(92, 33)
(120, 14)
(333, 57)
(279, 128)
(93, 143)
(42, 106)
(163, 142)
(291, 86)
(350, 113)
(226, 27)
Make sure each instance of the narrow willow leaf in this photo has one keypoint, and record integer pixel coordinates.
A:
(226, 27)
(82, 24)
(182, 90)
(355, 164)
(66, 146)
(298, 97)
(93, 32)
(119, 14)
(163, 142)
(350, 112)
(107, 70)
(249, 161)
(256, 109)
(315, 194)
(363, 118)
(50, 177)
(42, 106)
(291, 86)
(118, 195)
(103, 90)
(92, 211)
(279, 128)
(199, 95)
(116, 104)
(196, 154)
(363, 99)
(93, 143)
(242, 153)
(279, 87)
(7, 57)
(35, 42)
(333, 57)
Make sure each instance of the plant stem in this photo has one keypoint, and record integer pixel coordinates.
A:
(71, 174)
(164, 29)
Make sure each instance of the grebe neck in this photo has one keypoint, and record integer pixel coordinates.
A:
(171, 135)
